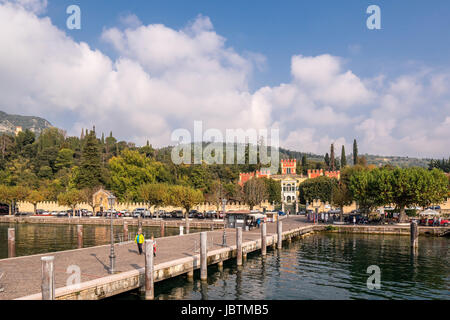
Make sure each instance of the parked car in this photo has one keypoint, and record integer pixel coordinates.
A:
(192, 213)
(210, 214)
(178, 214)
(200, 215)
(54, 213)
(141, 212)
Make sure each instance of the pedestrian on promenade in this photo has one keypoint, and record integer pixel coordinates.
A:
(139, 239)
(154, 246)
(258, 222)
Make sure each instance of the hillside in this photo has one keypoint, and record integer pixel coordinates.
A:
(9, 122)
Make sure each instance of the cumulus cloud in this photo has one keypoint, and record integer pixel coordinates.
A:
(164, 79)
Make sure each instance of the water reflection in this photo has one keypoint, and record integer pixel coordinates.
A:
(326, 266)
(42, 238)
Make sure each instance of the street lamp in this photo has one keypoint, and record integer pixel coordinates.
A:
(224, 237)
(112, 256)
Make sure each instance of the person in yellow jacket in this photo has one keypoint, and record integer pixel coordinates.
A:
(139, 239)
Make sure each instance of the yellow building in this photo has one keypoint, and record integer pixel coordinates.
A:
(101, 200)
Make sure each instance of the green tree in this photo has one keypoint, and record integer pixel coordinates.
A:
(70, 199)
(255, 192)
(64, 159)
(273, 190)
(130, 170)
(185, 197)
(34, 197)
(343, 158)
(318, 188)
(332, 160)
(341, 197)
(327, 160)
(90, 172)
(155, 194)
(355, 152)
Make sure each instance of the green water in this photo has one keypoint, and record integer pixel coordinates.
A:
(43, 238)
(325, 266)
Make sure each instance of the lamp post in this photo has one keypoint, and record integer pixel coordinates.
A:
(112, 256)
(224, 237)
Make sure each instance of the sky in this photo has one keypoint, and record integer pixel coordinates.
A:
(311, 69)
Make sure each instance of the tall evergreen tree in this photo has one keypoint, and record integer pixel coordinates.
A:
(327, 160)
(90, 171)
(355, 153)
(343, 158)
(332, 161)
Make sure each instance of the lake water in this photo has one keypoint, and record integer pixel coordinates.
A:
(322, 266)
(325, 266)
(43, 238)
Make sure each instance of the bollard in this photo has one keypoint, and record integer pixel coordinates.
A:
(149, 281)
(190, 275)
(187, 226)
(181, 230)
(414, 235)
(263, 239)
(80, 236)
(239, 246)
(11, 242)
(220, 265)
(48, 278)
(280, 234)
(212, 227)
(162, 228)
(125, 231)
(203, 256)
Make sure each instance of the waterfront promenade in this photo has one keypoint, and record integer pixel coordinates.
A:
(176, 255)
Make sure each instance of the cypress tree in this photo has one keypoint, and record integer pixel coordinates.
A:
(343, 158)
(355, 153)
(90, 172)
(332, 162)
(304, 164)
(327, 160)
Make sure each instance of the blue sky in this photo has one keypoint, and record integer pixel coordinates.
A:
(311, 69)
(413, 32)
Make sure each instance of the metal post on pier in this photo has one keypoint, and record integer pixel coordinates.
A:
(149, 280)
(181, 230)
(203, 256)
(11, 242)
(125, 231)
(280, 234)
(48, 278)
(414, 235)
(263, 239)
(239, 246)
(80, 236)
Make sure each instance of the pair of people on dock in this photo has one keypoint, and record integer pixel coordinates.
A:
(139, 240)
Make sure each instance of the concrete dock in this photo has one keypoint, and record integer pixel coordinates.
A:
(176, 255)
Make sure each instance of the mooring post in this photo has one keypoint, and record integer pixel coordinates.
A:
(125, 231)
(80, 235)
(263, 239)
(181, 230)
(203, 256)
(190, 275)
(414, 235)
(239, 246)
(11, 242)
(280, 234)
(48, 278)
(149, 281)
(162, 228)
(220, 265)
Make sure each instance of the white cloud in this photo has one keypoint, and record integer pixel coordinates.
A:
(165, 79)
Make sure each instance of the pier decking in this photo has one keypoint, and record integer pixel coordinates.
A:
(176, 255)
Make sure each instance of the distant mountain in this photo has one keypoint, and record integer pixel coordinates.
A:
(9, 123)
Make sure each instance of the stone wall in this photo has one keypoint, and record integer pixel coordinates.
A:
(54, 206)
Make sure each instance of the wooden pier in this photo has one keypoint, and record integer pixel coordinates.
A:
(176, 255)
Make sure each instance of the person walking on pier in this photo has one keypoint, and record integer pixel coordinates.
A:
(139, 239)
(154, 246)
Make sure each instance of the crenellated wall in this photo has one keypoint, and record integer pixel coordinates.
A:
(54, 206)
